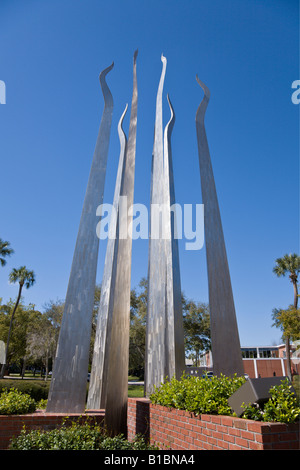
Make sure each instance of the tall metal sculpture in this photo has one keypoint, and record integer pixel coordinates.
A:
(98, 379)
(68, 385)
(164, 331)
(175, 335)
(117, 377)
(225, 341)
(165, 355)
(109, 378)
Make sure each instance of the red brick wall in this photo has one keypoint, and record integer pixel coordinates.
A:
(172, 429)
(249, 368)
(11, 426)
(181, 430)
(267, 368)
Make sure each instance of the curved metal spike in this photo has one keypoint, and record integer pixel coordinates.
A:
(98, 380)
(171, 122)
(155, 370)
(117, 375)
(203, 105)
(226, 351)
(175, 355)
(122, 135)
(108, 99)
(68, 385)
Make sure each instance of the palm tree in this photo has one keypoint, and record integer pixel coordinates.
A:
(289, 264)
(5, 250)
(25, 278)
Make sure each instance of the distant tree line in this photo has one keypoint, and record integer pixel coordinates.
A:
(31, 336)
(34, 334)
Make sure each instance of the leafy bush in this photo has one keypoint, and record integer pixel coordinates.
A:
(41, 404)
(282, 407)
(14, 402)
(75, 437)
(210, 395)
(198, 395)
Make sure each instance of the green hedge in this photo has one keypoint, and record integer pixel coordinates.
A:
(76, 437)
(210, 396)
(198, 395)
(282, 407)
(37, 389)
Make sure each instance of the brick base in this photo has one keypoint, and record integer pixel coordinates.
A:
(12, 425)
(181, 430)
(171, 429)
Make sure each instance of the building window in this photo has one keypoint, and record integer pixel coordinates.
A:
(249, 353)
(267, 352)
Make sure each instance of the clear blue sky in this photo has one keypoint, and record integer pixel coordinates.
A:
(246, 51)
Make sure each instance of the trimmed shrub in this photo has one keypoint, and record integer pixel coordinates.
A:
(75, 437)
(14, 402)
(37, 389)
(206, 395)
(282, 407)
(210, 396)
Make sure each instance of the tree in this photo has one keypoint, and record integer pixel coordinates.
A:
(288, 321)
(25, 319)
(24, 278)
(137, 332)
(53, 311)
(289, 264)
(5, 251)
(41, 341)
(196, 323)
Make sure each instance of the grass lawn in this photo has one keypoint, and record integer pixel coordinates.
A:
(136, 391)
(28, 384)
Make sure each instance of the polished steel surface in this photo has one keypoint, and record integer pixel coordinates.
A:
(118, 357)
(68, 385)
(98, 379)
(226, 352)
(164, 333)
(155, 365)
(175, 354)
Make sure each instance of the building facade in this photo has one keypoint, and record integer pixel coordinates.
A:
(262, 361)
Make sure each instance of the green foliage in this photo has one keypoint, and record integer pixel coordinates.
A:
(210, 395)
(14, 402)
(37, 389)
(198, 395)
(288, 264)
(282, 407)
(136, 391)
(196, 323)
(288, 321)
(5, 251)
(23, 276)
(75, 437)
(296, 385)
(137, 332)
(42, 404)
(252, 411)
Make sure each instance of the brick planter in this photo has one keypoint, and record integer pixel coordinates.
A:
(12, 425)
(181, 430)
(171, 429)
